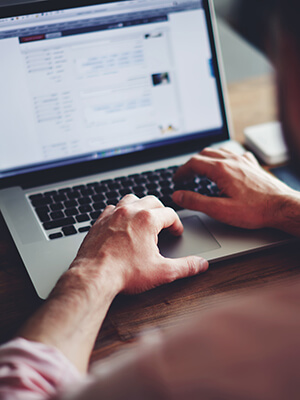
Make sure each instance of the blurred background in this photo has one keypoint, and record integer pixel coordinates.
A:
(241, 60)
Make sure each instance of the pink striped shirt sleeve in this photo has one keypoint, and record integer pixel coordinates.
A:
(34, 371)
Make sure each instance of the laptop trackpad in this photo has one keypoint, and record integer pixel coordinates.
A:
(196, 239)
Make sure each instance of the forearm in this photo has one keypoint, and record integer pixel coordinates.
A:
(287, 210)
(71, 318)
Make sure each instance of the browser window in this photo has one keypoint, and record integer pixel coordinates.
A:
(103, 80)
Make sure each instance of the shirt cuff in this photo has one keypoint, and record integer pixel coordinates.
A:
(32, 370)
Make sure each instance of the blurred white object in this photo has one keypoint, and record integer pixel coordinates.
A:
(267, 142)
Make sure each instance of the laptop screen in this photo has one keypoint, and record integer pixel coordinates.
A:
(99, 81)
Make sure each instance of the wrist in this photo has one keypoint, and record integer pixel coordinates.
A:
(89, 281)
(286, 213)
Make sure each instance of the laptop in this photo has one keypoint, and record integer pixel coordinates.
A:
(103, 98)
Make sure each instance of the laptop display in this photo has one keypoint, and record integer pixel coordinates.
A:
(101, 81)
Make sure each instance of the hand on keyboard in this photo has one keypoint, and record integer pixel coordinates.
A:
(123, 243)
(251, 197)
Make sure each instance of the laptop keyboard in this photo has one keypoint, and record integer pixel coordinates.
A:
(72, 210)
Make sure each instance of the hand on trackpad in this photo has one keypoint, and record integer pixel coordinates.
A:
(196, 239)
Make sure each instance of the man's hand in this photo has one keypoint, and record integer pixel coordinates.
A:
(250, 197)
(120, 254)
(123, 243)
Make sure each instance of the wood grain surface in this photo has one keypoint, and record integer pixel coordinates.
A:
(252, 102)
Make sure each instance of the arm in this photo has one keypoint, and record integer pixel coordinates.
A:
(119, 255)
(251, 197)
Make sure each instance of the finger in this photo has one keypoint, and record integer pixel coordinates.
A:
(228, 152)
(215, 153)
(128, 199)
(147, 202)
(212, 206)
(250, 157)
(107, 211)
(184, 267)
(198, 164)
(166, 218)
(150, 202)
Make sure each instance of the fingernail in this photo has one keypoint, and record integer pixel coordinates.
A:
(204, 264)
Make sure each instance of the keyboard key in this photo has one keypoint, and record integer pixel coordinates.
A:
(64, 190)
(93, 222)
(143, 173)
(43, 209)
(101, 189)
(128, 183)
(84, 200)
(85, 209)
(74, 195)
(43, 216)
(98, 197)
(82, 218)
(57, 206)
(59, 197)
(152, 186)
(92, 184)
(69, 230)
(55, 236)
(41, 201)
(71, 203)
(153, 177)
(112, 195)
(84, 229)
(71, 211)
(113, 202)
(106, 182)
(123, 192)
(57, 215)
(51, 193)
(87, 192)
(36, 196)
(78, 187)
(140, 180)
(58, 223)
(138, 189)
(165, 183)
(99, 206)
(95, 215)
(114, 186)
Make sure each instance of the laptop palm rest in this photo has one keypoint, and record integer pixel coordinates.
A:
(196, 239)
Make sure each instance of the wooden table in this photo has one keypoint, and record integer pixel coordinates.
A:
(252, 102)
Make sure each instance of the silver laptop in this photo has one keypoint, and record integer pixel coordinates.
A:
(99, 99)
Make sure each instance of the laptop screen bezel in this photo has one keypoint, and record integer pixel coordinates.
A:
(85, 168)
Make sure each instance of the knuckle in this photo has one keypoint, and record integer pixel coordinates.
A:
(129, 196)
(110, 207)
(144, 217)
(221, 166)
(151, 197)
(122, 212)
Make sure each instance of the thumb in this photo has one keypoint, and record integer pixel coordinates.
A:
(184, 267)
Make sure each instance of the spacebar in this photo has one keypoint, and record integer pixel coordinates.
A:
(58, 223)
